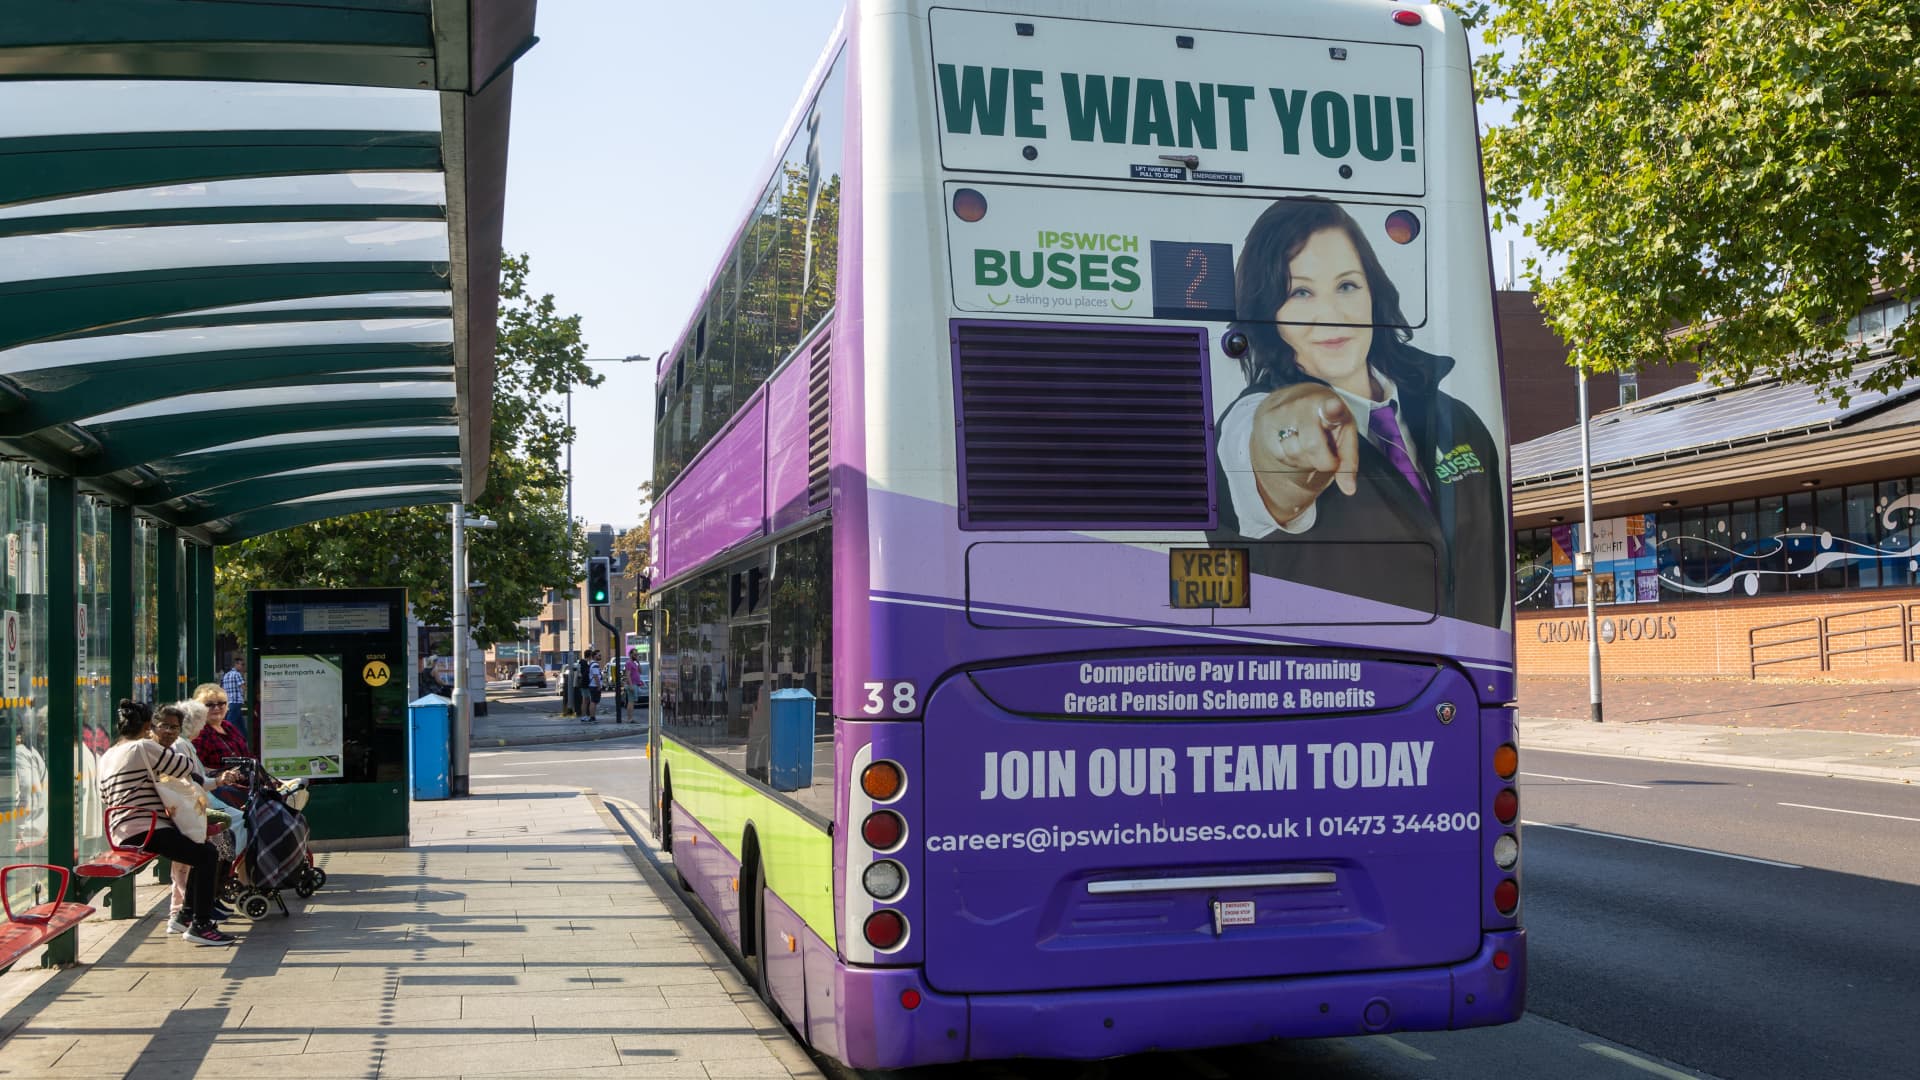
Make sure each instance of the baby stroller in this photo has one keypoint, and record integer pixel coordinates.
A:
(276, 856)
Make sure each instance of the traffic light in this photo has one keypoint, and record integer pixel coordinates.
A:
(599, 590)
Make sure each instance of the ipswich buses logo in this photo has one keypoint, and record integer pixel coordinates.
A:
(1457, 464)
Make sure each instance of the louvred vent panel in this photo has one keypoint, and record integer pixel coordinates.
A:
(1077, 426)
(818, 475)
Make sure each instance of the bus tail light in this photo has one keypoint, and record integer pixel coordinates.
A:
(1506, 806)
(883, 830)
(1501, 961)
(909, 999)
(882, 781)
(1506, 851)
(1506, 761)
(1406, 18)
(886, 929)
(1506, 899)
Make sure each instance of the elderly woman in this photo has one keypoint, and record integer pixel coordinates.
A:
(129, 773)
(219, 740)
(174, 727)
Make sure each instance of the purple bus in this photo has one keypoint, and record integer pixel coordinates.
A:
(1081, 615)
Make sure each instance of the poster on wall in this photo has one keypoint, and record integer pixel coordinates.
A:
(1626, 568)
(301, 722)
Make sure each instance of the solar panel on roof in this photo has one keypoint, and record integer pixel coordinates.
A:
(1694, 418)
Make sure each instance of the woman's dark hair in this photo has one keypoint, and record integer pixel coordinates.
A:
(1262, 283)
(134, 719)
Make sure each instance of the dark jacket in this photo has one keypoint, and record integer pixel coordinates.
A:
(1382, 542)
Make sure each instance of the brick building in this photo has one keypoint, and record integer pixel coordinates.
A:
(1747, 530)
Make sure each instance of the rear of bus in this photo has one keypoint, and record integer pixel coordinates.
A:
(1170, 775)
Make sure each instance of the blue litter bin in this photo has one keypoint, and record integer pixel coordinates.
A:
(792, 765)
(430, 750)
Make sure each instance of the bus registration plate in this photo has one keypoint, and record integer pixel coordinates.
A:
(1208, 577)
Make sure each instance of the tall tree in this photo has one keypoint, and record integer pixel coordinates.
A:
(539, 356)
(1743, 169)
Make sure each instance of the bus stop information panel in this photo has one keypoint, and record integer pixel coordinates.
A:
(329, 668)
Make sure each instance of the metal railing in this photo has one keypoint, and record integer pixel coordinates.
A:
(1904, 617)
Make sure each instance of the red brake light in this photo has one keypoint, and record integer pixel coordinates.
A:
(910, 999)
(1506, 806)
(885, 929)
(1407, 18)
(1501, 961)
(883, 830)
(1506, 899)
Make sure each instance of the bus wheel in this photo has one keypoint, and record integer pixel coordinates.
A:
(761, 985)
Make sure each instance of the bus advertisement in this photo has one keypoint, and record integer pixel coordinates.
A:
(1081, 564)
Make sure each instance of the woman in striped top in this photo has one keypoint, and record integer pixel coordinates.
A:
(127, 780)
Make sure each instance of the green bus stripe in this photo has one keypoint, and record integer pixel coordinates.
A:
(796, 854)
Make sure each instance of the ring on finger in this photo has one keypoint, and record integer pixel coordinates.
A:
(1286, 433)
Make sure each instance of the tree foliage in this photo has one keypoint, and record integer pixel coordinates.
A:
(1742, 169)
(539, 356)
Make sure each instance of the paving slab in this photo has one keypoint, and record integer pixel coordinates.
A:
(467, 954)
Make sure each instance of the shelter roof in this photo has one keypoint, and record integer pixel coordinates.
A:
(249, 250)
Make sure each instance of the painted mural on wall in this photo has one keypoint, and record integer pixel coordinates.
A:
(1761, 546)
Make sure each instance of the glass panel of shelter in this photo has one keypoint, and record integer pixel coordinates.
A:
(23, 710)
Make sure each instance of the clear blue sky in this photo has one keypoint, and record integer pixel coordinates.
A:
(640, 129)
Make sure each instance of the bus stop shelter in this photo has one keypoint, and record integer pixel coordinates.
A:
(249, 258)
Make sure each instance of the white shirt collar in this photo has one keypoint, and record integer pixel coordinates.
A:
(1362, 408)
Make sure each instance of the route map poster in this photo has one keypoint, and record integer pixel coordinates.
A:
(301, 720)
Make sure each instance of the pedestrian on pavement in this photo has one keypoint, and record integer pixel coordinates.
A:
(234, 682)
(128, 779)
(174, 727)
(222, 738)
(591, 694)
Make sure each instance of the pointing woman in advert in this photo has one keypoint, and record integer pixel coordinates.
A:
(1343, 458)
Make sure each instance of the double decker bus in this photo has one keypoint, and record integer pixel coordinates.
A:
(1081, 612)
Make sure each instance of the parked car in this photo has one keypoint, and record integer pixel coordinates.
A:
(531, 675)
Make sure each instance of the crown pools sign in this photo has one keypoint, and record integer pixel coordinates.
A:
(1114, 100)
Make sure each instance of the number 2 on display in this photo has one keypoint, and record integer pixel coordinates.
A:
(904, 699)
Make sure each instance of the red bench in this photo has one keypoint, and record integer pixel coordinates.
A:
(120, 860)
(28, 930)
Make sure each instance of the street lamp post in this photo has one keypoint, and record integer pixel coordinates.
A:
(1586, 566)
(462, 647)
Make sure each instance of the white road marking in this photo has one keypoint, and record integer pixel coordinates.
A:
(1656, 843)
(1403, 1049)
(1584, 780)
(1859, 813)
(1637, 1062)
(545, 761)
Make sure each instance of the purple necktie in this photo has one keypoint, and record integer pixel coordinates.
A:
(1384, 426)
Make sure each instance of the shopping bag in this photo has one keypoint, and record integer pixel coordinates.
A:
(185, 804)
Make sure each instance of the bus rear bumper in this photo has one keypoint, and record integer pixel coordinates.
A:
(881, 1032)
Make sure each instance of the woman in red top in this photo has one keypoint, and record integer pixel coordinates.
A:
(219, 740)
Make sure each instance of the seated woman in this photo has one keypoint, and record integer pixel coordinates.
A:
(129, 772)
(219, 740)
